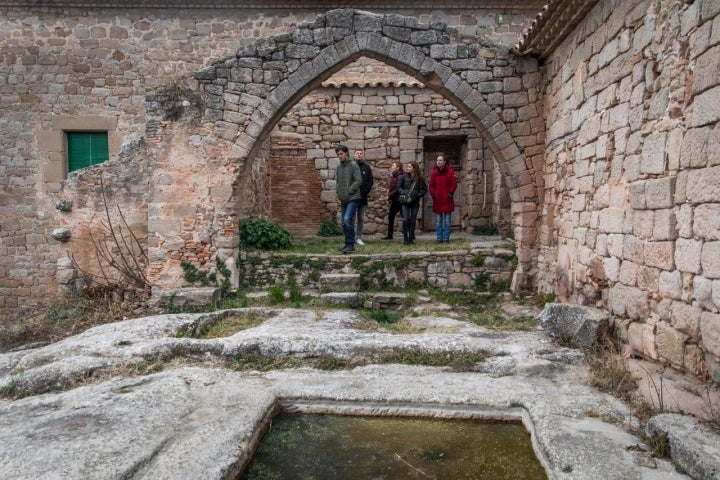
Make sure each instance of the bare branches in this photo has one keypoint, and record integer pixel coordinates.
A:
(122, 259)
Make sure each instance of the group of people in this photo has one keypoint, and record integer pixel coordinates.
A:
(354, 180)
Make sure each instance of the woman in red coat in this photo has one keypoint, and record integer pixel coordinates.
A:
(443, 184)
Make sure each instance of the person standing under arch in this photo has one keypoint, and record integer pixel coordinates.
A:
(396, 173)
(365, 187)
(347, 187)
(413, 187)
(443, 183)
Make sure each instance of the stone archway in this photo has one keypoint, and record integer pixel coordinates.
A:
(251, 91)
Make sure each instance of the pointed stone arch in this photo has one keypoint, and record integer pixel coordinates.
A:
(269, 76)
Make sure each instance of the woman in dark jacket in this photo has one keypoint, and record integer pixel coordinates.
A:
(414, 185)
(396, 173)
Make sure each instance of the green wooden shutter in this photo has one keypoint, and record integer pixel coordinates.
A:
(86, 149)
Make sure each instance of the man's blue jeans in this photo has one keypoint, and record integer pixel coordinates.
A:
(347, 213)
(442, 226)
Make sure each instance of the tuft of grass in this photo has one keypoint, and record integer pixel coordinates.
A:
(276, 294)
(256, 360)
(659, 444)
(381, 316)
(8, 391)
(232, 324)
(148, 367)
(495, 321)
(328, 362)
(329, 246)
(296, 296)
(460, 362)
(608, 369)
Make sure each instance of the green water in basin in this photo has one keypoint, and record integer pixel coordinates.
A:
(323, 447)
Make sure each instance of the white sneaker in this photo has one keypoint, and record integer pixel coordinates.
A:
(359, 242)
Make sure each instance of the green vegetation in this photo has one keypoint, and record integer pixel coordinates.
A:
(195, 276)
(330, 229)
(381, 316)
(485, 230)
(230, 325)
(324, 246)
(263, 235)
(461, 362)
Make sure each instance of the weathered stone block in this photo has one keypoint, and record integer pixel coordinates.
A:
(660, 193)
(648, 278)
(664, 225)
(706, 223)
(643, 223)
(703, 184)
(624, 300)
(684, 217)
(687, 255)
(653, 154)
(690, 442)
(694, 148)
(633, 248)
(635, 333)
(347, 299)
(579, 325)
(611, 220)
(710, 260)
(190, 297)
(339, 282)
(710, 332)
(706, 108)
(702, 293)
(686, 318)
(670, 284)
(660, 254)
(670, 344)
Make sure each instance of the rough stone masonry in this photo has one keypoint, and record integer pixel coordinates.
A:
(606, 138)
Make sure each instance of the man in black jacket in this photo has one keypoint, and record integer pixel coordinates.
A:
(365, 187)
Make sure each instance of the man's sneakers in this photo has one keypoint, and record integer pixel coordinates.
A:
(359, 241)
(348, 249)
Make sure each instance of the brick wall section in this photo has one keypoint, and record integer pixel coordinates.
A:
(630, 215)
(295, 189)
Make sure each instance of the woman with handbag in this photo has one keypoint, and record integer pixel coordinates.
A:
(412, 188)
(396, 174)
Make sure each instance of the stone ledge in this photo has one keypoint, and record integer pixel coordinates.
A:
(693, 446)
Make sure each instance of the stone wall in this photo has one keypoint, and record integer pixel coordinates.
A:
(632, 175)
(248, 94)
(481, 268)
(94, 66)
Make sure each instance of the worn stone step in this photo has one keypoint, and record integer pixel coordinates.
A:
(339, 282)
(387, 301)
(346, 299)
(190, 297)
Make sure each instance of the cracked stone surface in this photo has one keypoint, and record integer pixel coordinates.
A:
(199, 419)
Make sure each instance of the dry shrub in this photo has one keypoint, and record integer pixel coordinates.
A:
(608, 369)
(64, 316)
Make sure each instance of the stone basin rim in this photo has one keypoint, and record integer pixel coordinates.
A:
(428, 411)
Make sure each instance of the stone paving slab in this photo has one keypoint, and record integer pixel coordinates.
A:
(189, 422)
